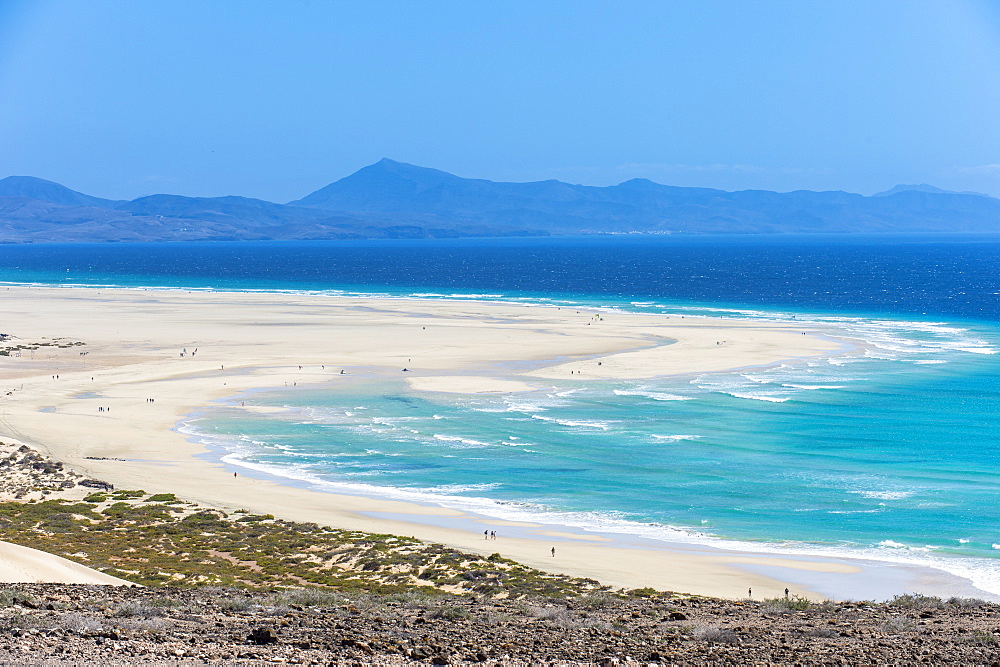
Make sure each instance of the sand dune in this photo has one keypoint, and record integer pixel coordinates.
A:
(23, 565)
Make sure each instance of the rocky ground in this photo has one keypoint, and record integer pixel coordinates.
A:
(59, 624)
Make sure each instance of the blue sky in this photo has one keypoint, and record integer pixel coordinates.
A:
(275, 99)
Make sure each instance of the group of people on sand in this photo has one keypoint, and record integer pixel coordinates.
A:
(490, 535)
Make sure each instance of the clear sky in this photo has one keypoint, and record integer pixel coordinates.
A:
(124, 98)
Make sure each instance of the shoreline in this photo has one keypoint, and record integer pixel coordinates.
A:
(249, 340)
(815, 574)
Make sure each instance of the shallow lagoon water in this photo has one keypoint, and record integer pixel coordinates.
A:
(885, 452)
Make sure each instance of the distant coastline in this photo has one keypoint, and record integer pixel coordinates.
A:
(394, 200)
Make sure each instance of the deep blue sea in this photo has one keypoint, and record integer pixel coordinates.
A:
(889, 451)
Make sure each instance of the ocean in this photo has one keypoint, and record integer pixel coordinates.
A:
(888, 451)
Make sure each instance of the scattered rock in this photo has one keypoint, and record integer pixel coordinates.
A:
(262, 637)
(91, 625)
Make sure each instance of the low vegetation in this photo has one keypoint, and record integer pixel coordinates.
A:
(157, 540)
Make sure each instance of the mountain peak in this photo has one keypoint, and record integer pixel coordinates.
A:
(48, 191)
(923, 187)
(385, 178)
(404, 169)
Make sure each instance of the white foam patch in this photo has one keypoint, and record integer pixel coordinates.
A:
(582, 423)
(468, 442)
(674, 438)
(884, 495)
(894, 545)
(760, 397)
(463, 488)
(655, 395)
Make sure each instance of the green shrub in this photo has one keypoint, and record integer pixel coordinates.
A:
(646, 592)
(448, 612)
(966, 603)
(791, 603)
(916, 601)
(983, 638)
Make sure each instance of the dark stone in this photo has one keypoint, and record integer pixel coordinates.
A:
(262, 636)
(676, 616)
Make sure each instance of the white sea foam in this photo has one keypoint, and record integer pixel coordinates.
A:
(584, 423)
(463, 488)
(894, 545)
(511, 405)
(674, 438)
(760, 397)
(842, 361)
(655, 395)
(468, 442)
(460, 295)
(885, 495)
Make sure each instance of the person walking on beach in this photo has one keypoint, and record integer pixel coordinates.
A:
(486, 534)
(553, 552)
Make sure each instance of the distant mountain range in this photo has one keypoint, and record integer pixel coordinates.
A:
(395, 200)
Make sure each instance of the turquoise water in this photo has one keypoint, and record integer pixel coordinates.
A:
(888, 451)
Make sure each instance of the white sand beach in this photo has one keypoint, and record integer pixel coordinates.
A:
(82, 402)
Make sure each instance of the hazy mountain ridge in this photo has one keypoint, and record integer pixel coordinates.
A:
(395, 200)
